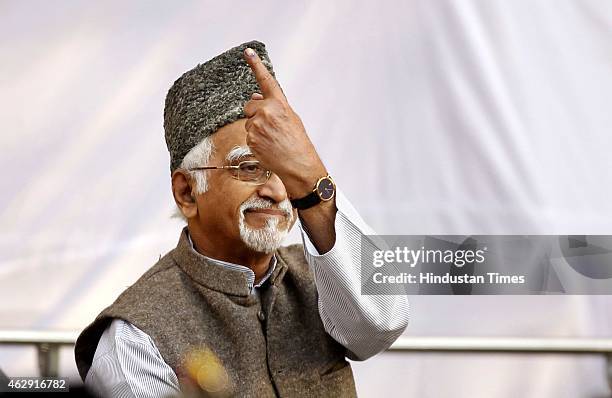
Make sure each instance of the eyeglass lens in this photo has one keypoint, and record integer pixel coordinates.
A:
(253, 172)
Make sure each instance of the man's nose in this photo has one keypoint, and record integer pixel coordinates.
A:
(273, 189)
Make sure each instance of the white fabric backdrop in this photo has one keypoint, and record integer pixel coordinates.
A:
(435, 117)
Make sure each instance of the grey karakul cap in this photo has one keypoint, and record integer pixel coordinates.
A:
(208, 97)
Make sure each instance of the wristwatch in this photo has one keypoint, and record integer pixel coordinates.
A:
(324, 190)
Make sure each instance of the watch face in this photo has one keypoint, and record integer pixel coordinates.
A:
(326, 189)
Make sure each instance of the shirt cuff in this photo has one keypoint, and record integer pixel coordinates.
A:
(346, 216)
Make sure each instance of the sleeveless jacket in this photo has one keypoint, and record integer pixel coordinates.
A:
(271, 345)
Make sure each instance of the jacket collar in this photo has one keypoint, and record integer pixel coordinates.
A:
(215, 276)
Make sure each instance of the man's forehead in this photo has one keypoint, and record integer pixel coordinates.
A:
(228, 137)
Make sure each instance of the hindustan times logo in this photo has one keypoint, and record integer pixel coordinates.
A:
(412, 257)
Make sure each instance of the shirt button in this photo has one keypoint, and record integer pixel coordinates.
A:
(261, 315)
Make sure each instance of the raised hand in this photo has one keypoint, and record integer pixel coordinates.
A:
(276, 135)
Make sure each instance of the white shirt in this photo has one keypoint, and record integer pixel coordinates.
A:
(128, 364)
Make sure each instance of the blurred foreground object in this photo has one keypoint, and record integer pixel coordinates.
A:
(204, 375)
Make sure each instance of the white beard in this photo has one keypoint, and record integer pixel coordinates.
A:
(269, 237)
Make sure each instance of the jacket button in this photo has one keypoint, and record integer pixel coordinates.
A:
(261, 315)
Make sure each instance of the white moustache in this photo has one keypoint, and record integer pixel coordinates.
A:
(259, 203)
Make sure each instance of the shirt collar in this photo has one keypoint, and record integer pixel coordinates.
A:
(250, 275)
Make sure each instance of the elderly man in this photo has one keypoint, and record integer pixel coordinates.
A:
(229, 310)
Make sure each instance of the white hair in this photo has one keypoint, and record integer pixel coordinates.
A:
(238, 152)
(198, 156)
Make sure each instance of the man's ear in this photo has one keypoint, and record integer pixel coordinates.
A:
(183, 195)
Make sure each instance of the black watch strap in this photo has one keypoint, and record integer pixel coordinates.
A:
(307, 201)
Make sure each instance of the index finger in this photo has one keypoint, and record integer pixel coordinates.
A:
(268, 84)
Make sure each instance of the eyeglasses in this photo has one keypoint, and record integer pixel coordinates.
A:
(248, 171)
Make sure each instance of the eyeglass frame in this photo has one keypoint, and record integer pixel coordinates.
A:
(235, 167)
